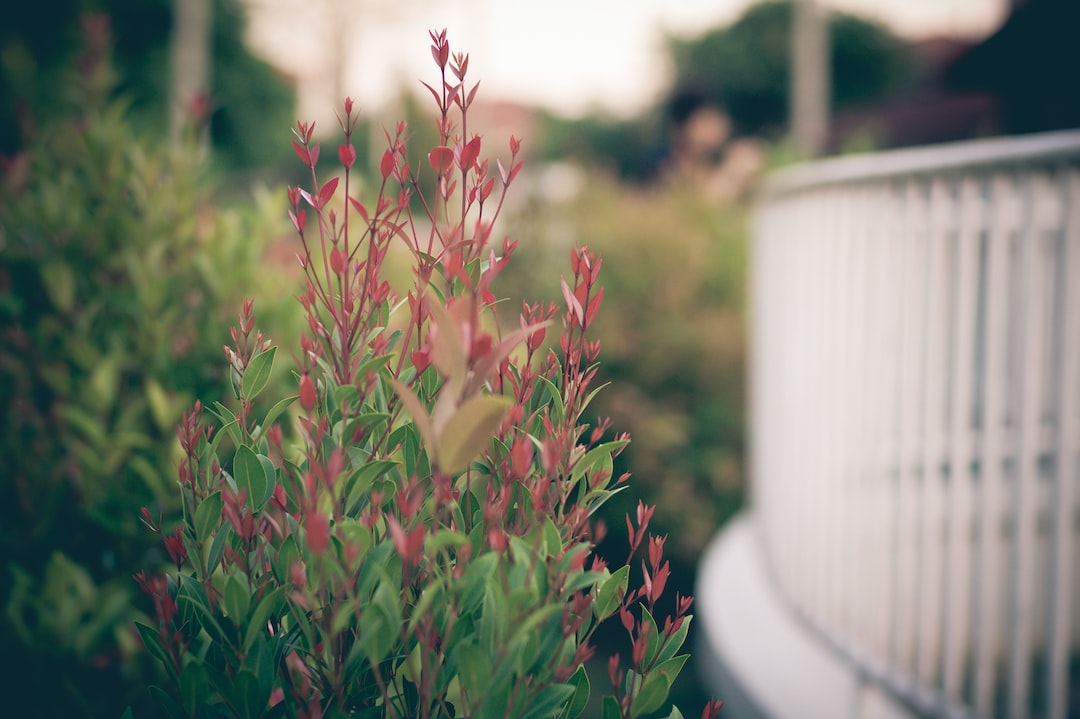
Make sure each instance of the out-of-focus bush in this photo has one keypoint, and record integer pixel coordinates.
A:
(672, 333)
(117, 287)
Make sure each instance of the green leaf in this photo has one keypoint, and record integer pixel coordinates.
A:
(218, 548)
(607, 596)
(671, 668)
(592, 395)
(469, 430)
(552, 537)
(279, 407)
(439, 540)
(549, 700)
(431, 594)
(474, 668)
(59, 281)
(555, 397)
(651, 696)
(599, 455)
(475, 581)
(675, 713)
(648, 625)
(152, 641)
(257, 374)
(358, 483)
(377, 635)
(597, 497)
(494, 619)
(271, 479)
(194, 687)
(166, 702)
(610, 709)
(237, 599)
(345, 394)
(194, 597)
(676, 641)
(287, 555)
(250, 475)
(266, 608)
(580, 682)
(252, 696)
(208, 517)
(229, 429)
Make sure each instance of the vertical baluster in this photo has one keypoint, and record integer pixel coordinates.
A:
(958, 615)
(931, 509)
(913, 297)
(889, 447)
(1061, 633)
(991, 625)
(834, 392)
(1030, 340)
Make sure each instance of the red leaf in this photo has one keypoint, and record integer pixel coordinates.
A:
(431, 90)
(337, 260)
(314, 154)
(515, 171)
(441, 159)
(594, 306)
(498, 540)
(472, 94)
(347, 155)
(455, 92)
(307, 393)
(573, 306)
(318, 532)
(327, 191)
(298, 220)
(469, 153)
(388, 163)
(486, 189)
(359, 207)
(304, 155)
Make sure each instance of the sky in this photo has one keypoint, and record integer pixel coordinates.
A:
(570, 56)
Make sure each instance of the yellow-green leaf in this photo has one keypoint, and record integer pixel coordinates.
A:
(469, 430)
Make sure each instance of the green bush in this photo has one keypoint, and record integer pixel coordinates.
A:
(114, 267)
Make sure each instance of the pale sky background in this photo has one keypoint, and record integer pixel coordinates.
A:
(567, 55)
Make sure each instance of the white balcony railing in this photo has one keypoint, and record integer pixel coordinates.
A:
(916, 418)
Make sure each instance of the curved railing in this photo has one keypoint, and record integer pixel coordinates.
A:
(916, 417)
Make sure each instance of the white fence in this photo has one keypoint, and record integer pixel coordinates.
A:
(916, 417)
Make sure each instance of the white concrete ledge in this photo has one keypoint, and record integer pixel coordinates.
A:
(757, 655)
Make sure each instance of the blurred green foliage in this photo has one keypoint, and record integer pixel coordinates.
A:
(119, 278)
(251, 104)
(630, 148)
(745, 67)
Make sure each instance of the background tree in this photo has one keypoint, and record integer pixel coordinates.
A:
(40, 40)
(745, 66)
